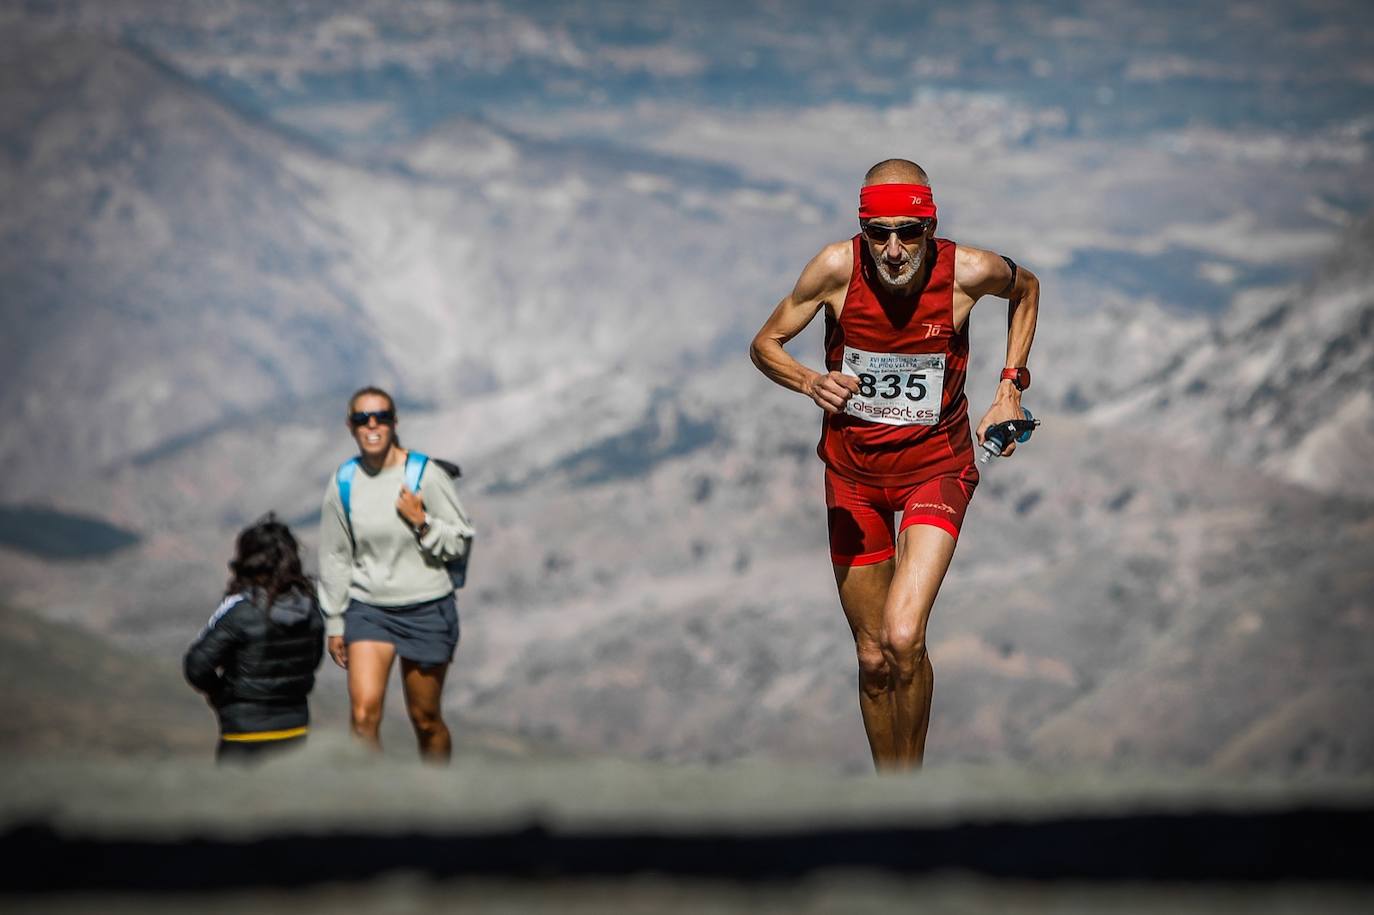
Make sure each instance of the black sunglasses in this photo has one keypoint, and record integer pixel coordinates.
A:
(907, 231)
(383, 417)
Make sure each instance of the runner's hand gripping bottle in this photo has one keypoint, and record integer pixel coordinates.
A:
(997, 437)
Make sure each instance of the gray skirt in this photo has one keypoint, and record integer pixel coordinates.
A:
(425, 633)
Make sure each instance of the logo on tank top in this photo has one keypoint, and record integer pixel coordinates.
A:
(933, 330)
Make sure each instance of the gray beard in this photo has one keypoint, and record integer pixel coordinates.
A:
(905, 275)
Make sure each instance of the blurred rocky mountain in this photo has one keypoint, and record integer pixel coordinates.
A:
(151, 218)
(70, 690)
(143, 220)
(1174, 572)
(1285, 381)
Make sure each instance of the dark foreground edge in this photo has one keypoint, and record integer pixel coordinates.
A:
(1293, 845)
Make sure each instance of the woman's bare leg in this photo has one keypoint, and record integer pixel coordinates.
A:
(369, 666)
(424, 688)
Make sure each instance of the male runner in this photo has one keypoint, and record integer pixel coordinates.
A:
(895, 435)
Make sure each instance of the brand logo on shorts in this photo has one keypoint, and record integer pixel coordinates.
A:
(938, 506)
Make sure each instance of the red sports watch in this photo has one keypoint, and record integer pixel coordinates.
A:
(1017, 376)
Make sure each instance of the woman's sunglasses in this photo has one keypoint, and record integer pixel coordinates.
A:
(383, 417)
(906, 232)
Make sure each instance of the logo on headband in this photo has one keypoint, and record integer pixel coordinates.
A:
(878, 200)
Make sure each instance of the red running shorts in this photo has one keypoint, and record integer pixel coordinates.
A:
(862, 517)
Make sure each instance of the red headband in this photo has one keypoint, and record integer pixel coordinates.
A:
(895, 200)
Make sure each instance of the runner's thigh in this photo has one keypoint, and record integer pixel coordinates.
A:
(369, 666)
(923, 556)
(424, 686)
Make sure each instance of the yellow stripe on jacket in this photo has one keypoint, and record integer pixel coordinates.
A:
(258, 736)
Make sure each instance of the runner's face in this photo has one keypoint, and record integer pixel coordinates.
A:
(374, 439)
(898, 262)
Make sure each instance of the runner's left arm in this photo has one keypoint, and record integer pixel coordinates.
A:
(981, 273)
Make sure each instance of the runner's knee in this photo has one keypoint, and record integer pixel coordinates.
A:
(905, 648)
(875, 675)
(367, 715)
(426, 719)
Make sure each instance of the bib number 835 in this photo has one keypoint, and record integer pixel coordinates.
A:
(890, 387)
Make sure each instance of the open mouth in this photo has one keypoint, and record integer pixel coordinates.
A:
(901, 272)
(896, 271)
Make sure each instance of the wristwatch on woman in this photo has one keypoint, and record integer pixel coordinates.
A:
(423, 528)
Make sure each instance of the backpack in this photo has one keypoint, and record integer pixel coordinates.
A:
(415, 470)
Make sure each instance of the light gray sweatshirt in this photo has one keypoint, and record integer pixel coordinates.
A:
(387, 566)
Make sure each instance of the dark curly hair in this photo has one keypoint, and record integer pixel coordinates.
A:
(267, 562)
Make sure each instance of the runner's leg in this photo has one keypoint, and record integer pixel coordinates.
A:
(369, 666)
(424, 688)
(860, 523)
(923, 556)
(863, 594)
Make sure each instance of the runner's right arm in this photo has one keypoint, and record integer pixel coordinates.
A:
(823, 281)
(336, 561)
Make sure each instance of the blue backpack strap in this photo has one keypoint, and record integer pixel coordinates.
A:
(415, 469)
(344, 477)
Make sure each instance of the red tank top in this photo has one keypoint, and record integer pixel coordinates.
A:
(877, 322)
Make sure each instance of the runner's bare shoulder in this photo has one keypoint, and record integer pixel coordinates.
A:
(825, 279)
(978, 272)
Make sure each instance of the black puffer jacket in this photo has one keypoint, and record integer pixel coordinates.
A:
(257, 667)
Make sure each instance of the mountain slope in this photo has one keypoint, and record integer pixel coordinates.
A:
(1284, 382)
(142, 219)
(567, 321)
(147, 217)
(71, 693)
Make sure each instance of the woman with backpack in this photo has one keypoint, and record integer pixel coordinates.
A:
(255, 660)
(392, 531)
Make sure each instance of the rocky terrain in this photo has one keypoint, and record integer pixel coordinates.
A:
(197, 271)
(1283, 380)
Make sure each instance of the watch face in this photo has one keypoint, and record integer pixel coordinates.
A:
(1018, 376)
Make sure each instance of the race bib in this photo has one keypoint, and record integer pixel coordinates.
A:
(895, 389)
